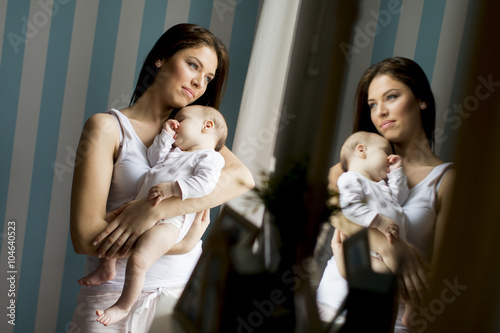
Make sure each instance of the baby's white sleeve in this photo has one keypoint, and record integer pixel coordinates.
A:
(206, 175)
(399, 185)
(161, 146)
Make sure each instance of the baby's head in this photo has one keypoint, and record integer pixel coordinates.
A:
(366, 153)
(200, 127)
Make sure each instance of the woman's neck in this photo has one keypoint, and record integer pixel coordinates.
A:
(416, 151)
(418, 159)
(149, 109)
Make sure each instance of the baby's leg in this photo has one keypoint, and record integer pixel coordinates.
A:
(106, 271)
(379, 266)
(338, 251)
(150, 247)
(409, 309)
(339, 260)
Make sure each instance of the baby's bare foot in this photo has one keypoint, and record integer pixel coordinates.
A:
(111, 315)
(100, 275)
(408, 317)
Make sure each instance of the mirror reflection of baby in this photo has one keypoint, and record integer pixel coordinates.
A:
(189, 170)
(371, 191)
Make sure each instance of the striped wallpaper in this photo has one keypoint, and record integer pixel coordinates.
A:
(61, 62)
(64, 60)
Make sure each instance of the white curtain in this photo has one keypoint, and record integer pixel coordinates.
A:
(259, 117)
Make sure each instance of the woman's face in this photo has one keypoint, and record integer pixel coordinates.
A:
(184, 77)
(395, 111)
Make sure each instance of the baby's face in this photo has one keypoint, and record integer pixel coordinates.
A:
(189, 131)
(377, 154)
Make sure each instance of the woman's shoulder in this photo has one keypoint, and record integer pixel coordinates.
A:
(105, 123)
(97, 118)
(447, 180)
(417, 172)
(442, 169)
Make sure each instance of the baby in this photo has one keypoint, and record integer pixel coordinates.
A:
(189, 170)
(366, 198)
(372, 190)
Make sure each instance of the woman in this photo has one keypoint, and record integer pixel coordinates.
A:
(394, 98)
(187, 65)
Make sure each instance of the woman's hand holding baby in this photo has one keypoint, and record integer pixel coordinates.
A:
(120, 235)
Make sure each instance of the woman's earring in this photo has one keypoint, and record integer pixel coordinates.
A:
(158, 64)
(423, 105)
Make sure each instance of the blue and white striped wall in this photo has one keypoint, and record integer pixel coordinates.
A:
(433, 33)
(61, 62)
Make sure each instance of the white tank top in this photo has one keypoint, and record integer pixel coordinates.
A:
(131, 165)
(420, 211)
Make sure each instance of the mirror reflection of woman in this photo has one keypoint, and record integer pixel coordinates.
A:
(187, 65)
(394, 99)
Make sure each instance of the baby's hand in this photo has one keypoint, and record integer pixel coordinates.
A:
(171, 126)
(394, 162)
(389, 231)
(161, 192)
(387, 227)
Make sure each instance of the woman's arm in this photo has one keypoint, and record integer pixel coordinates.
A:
(235, 179)
(378, 242)
(200, 224)
(91, 179)
(399, 256)
(333, 177)
(442, 210)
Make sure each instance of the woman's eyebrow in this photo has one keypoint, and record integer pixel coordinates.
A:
(384, 94)
(389, 91)
(200, 63)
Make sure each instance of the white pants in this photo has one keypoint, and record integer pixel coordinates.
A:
(137, 321)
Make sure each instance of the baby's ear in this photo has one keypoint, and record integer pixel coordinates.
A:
(361, 150)
(207, 126)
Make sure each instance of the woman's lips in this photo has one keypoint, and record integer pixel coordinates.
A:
(386, 124)
(189, 92)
